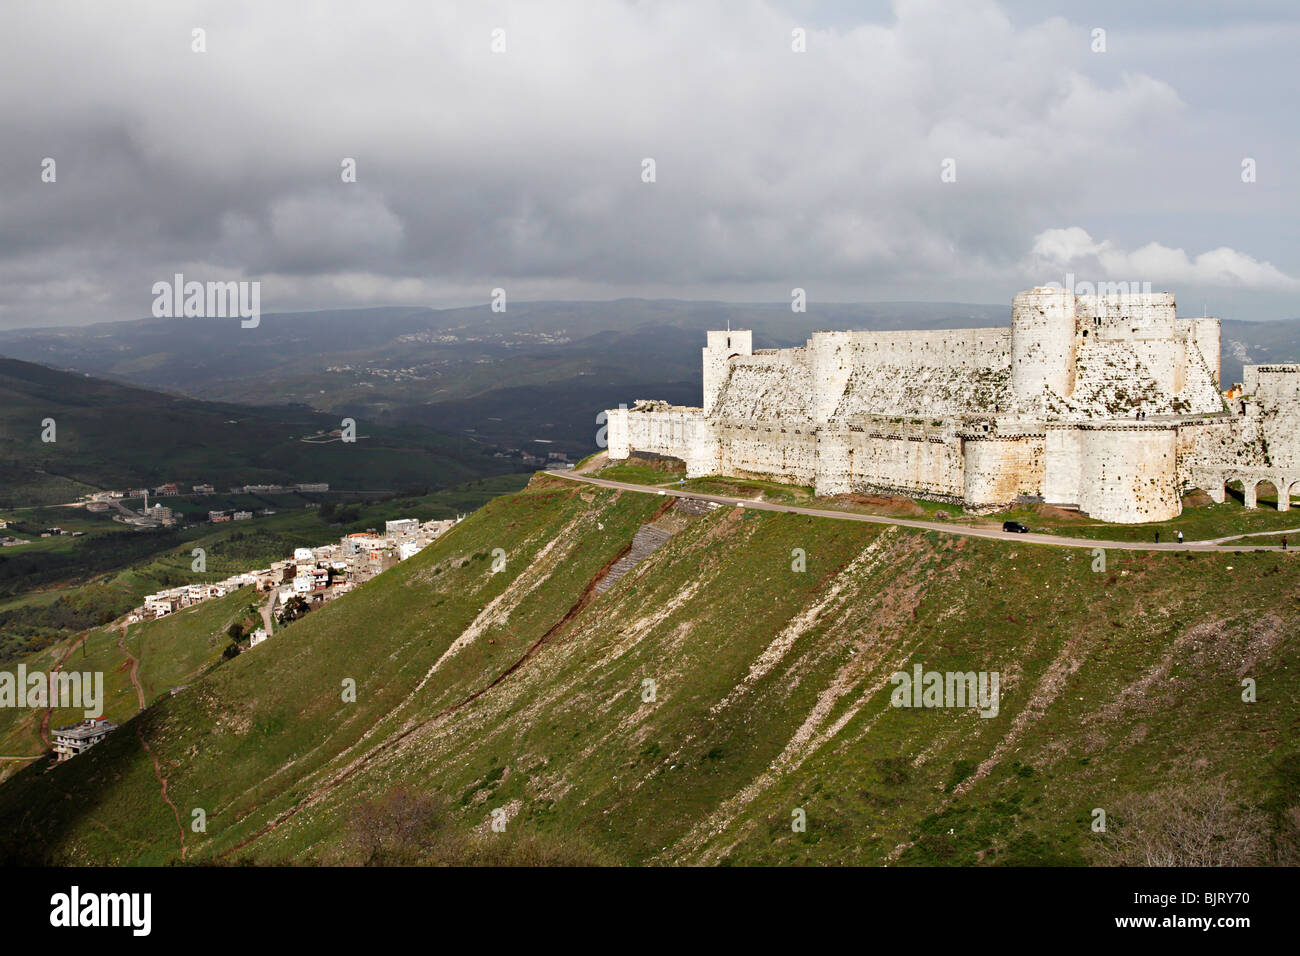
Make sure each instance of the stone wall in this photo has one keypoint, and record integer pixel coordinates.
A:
(662, 429)
(1062, 465)
(999, 470)
(767, 449)
(767, 386)
(932, 374)
(1272, 384)
(1109, 403)
(890, 457)
(721, 348)
(1042, 345)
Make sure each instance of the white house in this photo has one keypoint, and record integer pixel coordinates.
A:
(78, 738)
(161, 604)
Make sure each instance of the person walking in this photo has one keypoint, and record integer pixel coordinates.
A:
(1180, 537)
(1157, 537)
(1283, 542)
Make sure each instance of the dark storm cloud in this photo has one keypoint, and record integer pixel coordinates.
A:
(522, 169)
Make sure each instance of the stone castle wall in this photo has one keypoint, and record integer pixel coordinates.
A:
(885, 456)
(767, 449)
(1107, 403)
(1000, 470)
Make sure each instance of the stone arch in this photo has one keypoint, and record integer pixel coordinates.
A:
(1265, 486)
(1292, 486)
(1238, 489)
(1216, 487)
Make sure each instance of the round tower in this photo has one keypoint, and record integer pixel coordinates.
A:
(1042, 343)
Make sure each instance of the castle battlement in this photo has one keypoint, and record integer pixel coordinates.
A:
(1084, 401)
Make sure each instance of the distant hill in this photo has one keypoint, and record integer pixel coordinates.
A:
(537, 373)
(426, 354)
(706, 702)
(109, 435)
(539, 365)
(394, 356)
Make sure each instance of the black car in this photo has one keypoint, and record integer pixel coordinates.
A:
(1015, 526)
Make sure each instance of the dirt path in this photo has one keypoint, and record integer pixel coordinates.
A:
(595, 463)
(135, 668)
(162, 785)
(266, 612)
(49, 711)
(944, 527)
(139, 732)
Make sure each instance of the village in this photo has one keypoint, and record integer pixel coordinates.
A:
(315, 575)
(295, 585)
(159, 515)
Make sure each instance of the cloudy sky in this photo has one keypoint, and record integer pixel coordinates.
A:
(523, 168)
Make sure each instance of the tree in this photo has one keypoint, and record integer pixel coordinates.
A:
(295, 608)
(1196, 824)
(393, 830)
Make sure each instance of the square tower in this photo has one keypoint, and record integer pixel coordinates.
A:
(723, 346)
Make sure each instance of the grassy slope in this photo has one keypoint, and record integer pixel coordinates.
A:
(171, 650)
(772, 694)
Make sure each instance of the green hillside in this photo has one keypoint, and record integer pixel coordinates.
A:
(525, 692)
(166, 653)
(108, 435)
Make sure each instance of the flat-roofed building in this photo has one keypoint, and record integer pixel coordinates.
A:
(78, 738)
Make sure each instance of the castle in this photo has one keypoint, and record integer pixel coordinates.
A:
(1109, 404)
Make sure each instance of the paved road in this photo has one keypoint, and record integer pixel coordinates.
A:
(946, 527)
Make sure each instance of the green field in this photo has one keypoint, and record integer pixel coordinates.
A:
(522, 691)
(171, 651)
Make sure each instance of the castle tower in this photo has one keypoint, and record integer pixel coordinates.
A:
(1042, 343)
(717, 354)
(1205, 336)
